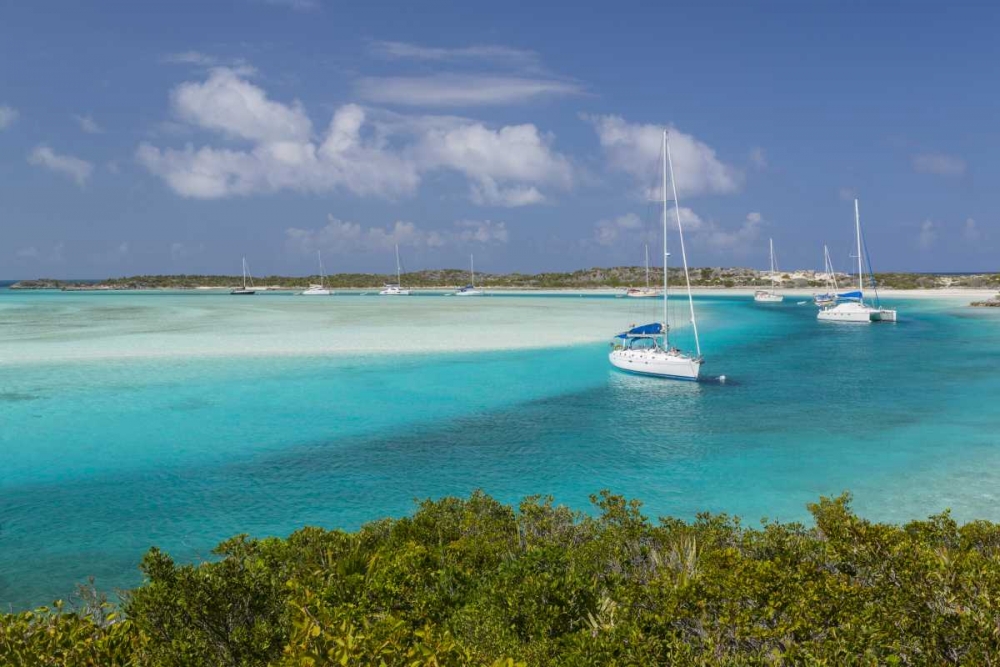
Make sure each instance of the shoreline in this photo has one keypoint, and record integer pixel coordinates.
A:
(975, 293)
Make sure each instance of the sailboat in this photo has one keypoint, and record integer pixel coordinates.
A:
(246, 278)
(318, 290)
(470, 289)
(394, 289)
(828, 298)
(770, 296)
(643, 292)
(851, 306)
(646, 349)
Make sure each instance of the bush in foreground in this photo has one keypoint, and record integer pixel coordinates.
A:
(475, 582)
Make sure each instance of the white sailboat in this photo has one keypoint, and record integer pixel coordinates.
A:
(643, 292)
(246, 289)
(395, 289)
(770, 296)
(646, 349)
(828, 298)
(470, 289)
(318, 290)
(851, 306)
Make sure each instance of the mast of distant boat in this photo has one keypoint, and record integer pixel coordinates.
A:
(399, 270)
(857, 233)
(472, 269)
(666, 255)
(773, 285)
(647, 267)
(322, 274)
(680, 232)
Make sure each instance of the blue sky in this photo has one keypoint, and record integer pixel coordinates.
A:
(176, 137)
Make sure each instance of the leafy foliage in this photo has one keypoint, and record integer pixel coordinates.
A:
(476, 582)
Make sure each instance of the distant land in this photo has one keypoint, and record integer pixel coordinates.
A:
(614, 277)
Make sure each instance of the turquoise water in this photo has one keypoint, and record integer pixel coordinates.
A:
(128, 420)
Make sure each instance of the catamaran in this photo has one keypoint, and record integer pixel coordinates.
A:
(470, 289)
(318, 290)
(851, 306)
(646, 349)
(643, 292)
(245, 290)
(395, 289)
(829, 297)
(770, 296)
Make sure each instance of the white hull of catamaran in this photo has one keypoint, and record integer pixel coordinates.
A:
(671, 365)
(643, 293)
(316, 291)
(470, 292)
(857, 313)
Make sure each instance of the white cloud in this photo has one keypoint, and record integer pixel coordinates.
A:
(455, 90)
(938, 163)
(758, 157)
(636, 150)
(7, 116)
(407, 51)
(341, 236)
(608, 232)
(970, 231)
(77, 169)
(238, 65)
(233, 106)
(88, 124)
(481, 231)
(927, 234)
(383, 157)
(711, 234)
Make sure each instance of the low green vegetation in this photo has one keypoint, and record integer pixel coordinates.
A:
(614, 277)
(476, 582)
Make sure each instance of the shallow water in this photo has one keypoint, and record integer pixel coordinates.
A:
(128, 420)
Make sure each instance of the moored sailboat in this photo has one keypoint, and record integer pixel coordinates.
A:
(320, 289)
(643, 292)
(396, 289)
(470, 289)
(851, 306)
(646, 349)
(248, 287)
(770, 296)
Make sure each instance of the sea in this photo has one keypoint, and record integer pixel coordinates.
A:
(179, 419)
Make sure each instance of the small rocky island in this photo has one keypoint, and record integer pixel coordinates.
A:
(989, 303)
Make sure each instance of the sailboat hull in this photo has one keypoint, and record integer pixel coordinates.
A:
(657, 363)
(857, 313)
(768, 297)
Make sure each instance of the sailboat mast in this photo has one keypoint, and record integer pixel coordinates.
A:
(680, 232)
(399, 280)
(857, 234)
(647, 266)
(771, 241)
(244, 273)
(472, 269)
(322, 278)
(666, 327)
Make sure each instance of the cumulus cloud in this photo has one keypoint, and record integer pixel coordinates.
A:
(207, 61)
(385, 158)
(927, 234)
(457, 90)
(711, 234)
(635, 149)
(88, 124)
(342, 236)
(7, 116)
(77, 169)
(406, 51)
(938, 163)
